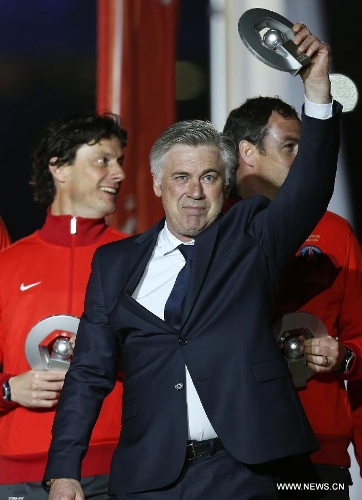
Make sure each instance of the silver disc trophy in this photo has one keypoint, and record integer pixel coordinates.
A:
(49, 344)
(269, 37)
(290, 332)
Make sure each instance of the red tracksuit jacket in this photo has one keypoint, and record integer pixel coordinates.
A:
(325, 279)
(57, 265)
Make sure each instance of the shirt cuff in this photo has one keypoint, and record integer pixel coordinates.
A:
(319, 111)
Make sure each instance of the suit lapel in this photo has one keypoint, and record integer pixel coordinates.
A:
(136, 308)
(137, 260)
(141, 254)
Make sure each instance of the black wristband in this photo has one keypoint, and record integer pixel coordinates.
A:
(6, 391)
(347, 361)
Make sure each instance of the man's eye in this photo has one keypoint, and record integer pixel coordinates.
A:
(102, 160)
(209, 178)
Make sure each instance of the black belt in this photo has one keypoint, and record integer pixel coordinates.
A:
(199, 449)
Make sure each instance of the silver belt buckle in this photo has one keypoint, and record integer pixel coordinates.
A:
(192, 451)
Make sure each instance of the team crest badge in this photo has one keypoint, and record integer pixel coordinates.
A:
(311, 254)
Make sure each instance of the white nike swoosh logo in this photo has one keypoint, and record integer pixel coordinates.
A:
(26, 287)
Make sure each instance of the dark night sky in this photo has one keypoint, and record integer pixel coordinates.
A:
(48, 69)
(47, 57)
(344, 31)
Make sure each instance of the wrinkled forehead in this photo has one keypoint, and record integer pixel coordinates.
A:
(201, 156)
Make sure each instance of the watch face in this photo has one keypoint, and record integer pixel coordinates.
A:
(6, 391)
(347, 361)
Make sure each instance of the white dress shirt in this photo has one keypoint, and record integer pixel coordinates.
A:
(319, 111)
(152, 292)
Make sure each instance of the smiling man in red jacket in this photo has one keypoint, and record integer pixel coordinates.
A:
(77, 174)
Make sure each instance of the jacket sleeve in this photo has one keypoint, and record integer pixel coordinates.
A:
(5, 406)
(90, 378)
(352, 303)
(304, 196)
(350, 315)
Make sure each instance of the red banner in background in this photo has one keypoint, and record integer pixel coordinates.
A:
(136, 79)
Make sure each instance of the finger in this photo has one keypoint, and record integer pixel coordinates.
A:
(40, 385)
(319, 368)
(49, 395)
(53, 386)
(311, 45)
(299, 27)
(318, 360)
(321, 350)
(303, 34)
(314, 350)
(37, 400)
(327, 341)
(50, 375)
(46, 398)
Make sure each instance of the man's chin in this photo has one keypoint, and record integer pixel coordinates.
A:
(191, 232)
(110, 210)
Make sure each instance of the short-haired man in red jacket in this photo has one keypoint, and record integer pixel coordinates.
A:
(324, 279)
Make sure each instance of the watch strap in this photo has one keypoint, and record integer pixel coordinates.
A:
(48, 484)
(6, 391)
(347, 361)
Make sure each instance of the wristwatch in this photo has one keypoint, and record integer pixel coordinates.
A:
(347, 361)
(48, 484)
(6, 391)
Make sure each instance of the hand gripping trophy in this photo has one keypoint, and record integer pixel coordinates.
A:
(269, 37)
(50, 343)
(290, 332)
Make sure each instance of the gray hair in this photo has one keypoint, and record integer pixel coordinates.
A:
(193, 133)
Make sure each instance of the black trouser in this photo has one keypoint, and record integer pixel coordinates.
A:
(215, 477)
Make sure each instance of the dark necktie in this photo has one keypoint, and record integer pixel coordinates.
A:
(173, 306)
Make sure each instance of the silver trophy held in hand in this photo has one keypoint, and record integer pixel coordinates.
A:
(269, 37)
(290, 332)
(50, 343)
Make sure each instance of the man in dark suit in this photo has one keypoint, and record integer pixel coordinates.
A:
(208, 402)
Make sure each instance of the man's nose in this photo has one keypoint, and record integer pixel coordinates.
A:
(117, 173)
(195, 189)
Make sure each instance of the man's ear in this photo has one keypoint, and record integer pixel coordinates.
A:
(157, 188)
(247, 152)
(58, 171)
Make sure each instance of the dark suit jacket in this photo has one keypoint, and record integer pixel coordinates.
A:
(226, 338)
